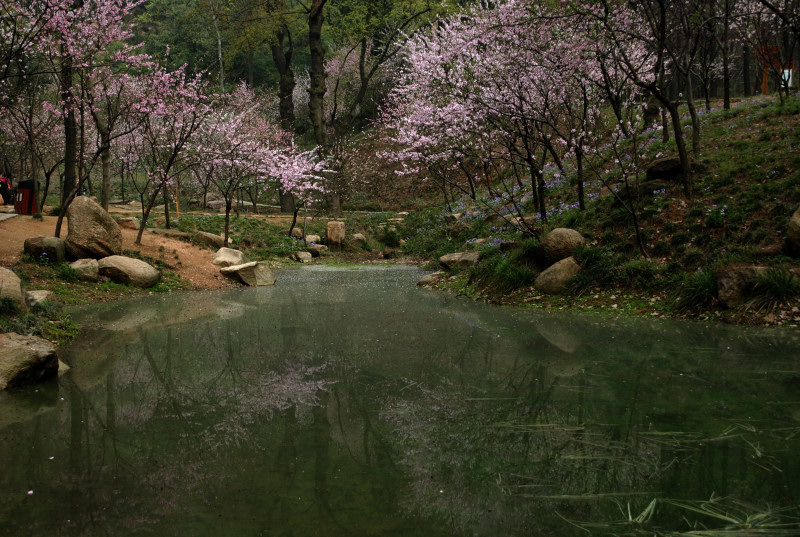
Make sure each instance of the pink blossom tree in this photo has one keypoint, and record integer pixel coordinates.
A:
(80, 37)
(170, 114)
(237, 146)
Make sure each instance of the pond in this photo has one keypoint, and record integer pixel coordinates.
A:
(348, 402)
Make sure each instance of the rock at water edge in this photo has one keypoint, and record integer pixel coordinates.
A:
(25, 359)
(556, 277)
(254, 274)
(129, 271)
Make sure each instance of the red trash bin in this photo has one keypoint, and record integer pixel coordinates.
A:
(25, 202)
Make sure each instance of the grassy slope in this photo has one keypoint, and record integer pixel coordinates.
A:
(746, 187)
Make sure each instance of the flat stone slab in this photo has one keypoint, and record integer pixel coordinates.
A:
(460, 259)
(254, 274)
(175, 233)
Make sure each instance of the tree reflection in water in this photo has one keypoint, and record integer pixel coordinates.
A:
(350, 403)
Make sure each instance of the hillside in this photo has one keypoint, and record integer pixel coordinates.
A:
(746, 187)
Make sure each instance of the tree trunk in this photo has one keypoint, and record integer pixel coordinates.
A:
(105, 161)
(283, 63)
(146, 213)
(683, 153)
(726, 60)
(579, 162)
(219, 53)
(316, 72)
(693, 114)
(286, 200)
(70, 134)
(286, 84)
(166, 206)
(746, 70)
(228, 206)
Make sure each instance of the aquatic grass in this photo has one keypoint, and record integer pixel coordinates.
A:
(741, 518)
(735, 517)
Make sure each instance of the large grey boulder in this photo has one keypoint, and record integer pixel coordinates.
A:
(11, 287)
(88, 269)
(92, 231)
(129, 271)
(734, 282)
(45, 248)
(793, 234)
(561, 243)
(460, 260)
(336, 233)
(25, 359)
(228, 257)
(208, 240)
(668, 168)
(254, 274)
(556, 278)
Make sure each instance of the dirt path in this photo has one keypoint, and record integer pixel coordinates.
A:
(193, 264)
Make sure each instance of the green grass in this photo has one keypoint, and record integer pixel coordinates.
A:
(698, 291)
(44, 320)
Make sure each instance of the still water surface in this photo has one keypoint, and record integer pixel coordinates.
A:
(349, 402)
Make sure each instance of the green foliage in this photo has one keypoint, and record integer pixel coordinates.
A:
(599, 267)
(8, 307)
(390, 237)
(692, 258)
(715, 218)
(641, 273)
(776, 286)
(502, 271)
(661, 249)
(67, 273)
(45, 319)
(698, 291)
(682, 237)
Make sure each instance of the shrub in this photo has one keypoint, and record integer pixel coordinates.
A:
(641, 273)
(699, 290)
(776, 285)
(598, 267)
(67, 273)
(715, 217)
(692, 258)
(390, 237)
(610, 237)
(8, 307)
(502, 272)
(682, 237)
(661, 249)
